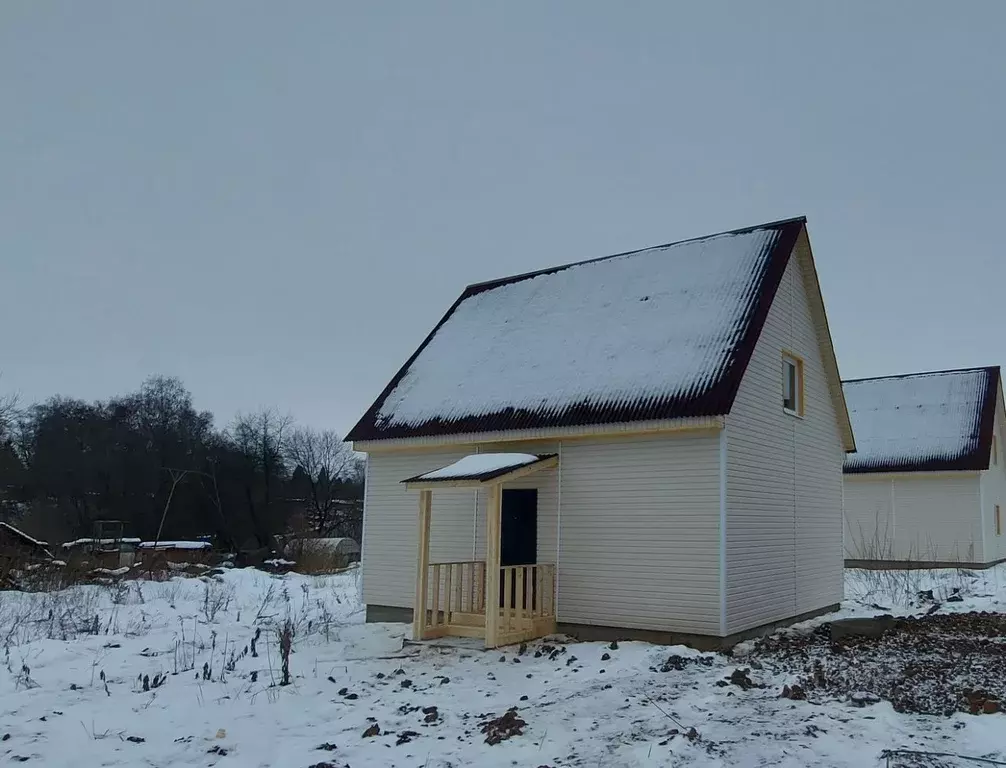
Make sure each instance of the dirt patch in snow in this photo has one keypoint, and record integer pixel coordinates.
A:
(501, 728)
(936, 664)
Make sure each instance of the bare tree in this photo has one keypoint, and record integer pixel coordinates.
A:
(261, 438)
(10, 411)
(320, 461)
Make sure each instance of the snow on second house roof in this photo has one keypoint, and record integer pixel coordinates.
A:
(922, 422)
(651, 334)
(174, 545)
(480, 466)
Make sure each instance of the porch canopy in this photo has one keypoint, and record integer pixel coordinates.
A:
(481, 598)
(481, 469)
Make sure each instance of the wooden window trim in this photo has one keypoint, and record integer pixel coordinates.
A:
(999, 522)
(995, 450)
(792, 357)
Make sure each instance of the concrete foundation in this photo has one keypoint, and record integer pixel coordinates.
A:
(593, 632)
(917, 565)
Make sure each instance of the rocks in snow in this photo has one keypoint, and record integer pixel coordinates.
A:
(982, 702)
(678, 663)
(405, 737)
(875, 627)
(501, 728)
(863, 698)
(740, 677)
(794, 692)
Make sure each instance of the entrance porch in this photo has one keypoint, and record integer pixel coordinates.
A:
(481, 598)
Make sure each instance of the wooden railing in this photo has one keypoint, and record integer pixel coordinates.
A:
(456, 601)
(457, 590)
(527, 593)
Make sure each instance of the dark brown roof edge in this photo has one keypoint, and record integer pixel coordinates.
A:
(986, 368)
(987, 424)
(970, 462)
(717, 401)
(480, 476)
(974, 461)
(766, 293)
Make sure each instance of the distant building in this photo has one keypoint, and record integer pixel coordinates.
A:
(927, 485)
(16, 545)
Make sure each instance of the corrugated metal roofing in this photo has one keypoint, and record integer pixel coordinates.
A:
(922, 422)
(661, 333)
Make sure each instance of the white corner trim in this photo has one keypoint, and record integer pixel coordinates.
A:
(363, 527)
(894, 514)
(558, 530)
(475, 520)
(981, 513)
(723, 532)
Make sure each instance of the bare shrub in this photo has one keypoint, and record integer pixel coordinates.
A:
(217, 596)
(313, 560)
(902, 575)
(169, 591)
(285, 649)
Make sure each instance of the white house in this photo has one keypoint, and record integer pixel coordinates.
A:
(648, 444)
(927, 483)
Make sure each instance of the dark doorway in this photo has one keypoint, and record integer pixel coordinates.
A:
(519, 527)
(518, 536)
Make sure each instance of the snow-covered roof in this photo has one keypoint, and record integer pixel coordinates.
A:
(23, 536)
(100, 542)
(661, 333)
(922, 422)
(480, 467)
(174, 545)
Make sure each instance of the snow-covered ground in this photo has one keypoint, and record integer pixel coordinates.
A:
(163, 674)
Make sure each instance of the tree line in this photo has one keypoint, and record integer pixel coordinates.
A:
(154, 462)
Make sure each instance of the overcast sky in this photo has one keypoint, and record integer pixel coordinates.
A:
(277, 201)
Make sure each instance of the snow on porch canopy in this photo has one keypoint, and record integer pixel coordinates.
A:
(482, 468)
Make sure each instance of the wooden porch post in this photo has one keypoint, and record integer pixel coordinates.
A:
(492, 596)
(422, 565)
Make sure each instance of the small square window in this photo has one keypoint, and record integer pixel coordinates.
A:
(792, 384)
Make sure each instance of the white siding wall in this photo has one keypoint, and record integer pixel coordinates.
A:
(392, 516)
(993, 484)
(869, 522)
(922, 517)
(640, 533)
(640, 528)
(993, 490)
(784, 477)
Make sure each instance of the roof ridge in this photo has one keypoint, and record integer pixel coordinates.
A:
(986, 368)
(484, 285)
